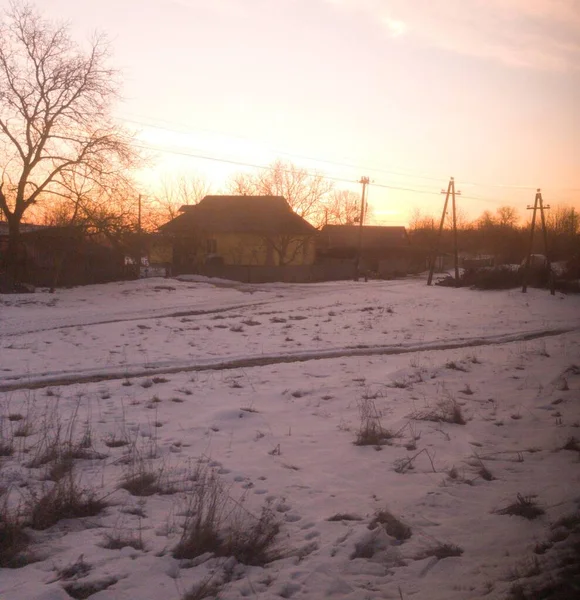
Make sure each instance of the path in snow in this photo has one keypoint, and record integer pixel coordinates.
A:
(40, 380)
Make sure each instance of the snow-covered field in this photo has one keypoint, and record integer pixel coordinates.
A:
(268, 387)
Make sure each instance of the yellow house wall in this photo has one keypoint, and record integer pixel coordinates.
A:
(249, 249)
(161, 251)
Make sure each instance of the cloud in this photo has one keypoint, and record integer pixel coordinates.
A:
(394, 26)
(540, 34)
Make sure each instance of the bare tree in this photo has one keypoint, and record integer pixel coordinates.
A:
(486, 220)
(423, 228)
(343, 208)
(507, 216)
(55, 116)
(304, 191)
(176, 192)
(563, 220)
(109, 209)
(422, 222)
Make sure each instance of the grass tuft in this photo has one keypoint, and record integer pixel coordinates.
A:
(82, 590)
(441, 551)
(392, 525)
(216, 523)
(118, 540)
(524, 506)
(446, 411)
(572, 443)
(142, 483)
(64, 499)
(344, 517)
(371, 432)
(13, 539)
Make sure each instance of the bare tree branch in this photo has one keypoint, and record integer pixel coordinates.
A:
(55, 114)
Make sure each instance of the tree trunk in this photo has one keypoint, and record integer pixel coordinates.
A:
(13, 263)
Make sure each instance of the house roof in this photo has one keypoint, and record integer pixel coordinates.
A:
(373, 236)
(239, 214)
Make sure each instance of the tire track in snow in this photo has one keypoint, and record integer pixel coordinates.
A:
(146, 315)
(40, 380)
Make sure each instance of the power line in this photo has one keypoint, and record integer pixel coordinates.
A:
(258, 166)
(317, 174)
(178, 128)
(286, 153)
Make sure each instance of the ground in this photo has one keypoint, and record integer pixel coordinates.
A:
(470, 402)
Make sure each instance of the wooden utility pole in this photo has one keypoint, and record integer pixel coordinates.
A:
(364, 181)
(538, 206)
(450, 192)
(455, 248)
(139, 239)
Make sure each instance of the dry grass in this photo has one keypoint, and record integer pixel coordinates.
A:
(572, 443)
(524, 506)
(85, 589)
(447, 411)
(440, 551)
(142, 483)
(121, 539)
(370, 431)
(344, 517)
(13, 539)
(216, 523)
(392, 525)
(64, 499)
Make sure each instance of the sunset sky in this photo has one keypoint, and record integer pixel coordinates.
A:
(408, 92)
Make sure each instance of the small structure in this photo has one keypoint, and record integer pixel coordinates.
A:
(227, 235)
(56, 256)
(385, 251)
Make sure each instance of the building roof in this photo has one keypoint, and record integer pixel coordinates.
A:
(239, 214)
(373, 236)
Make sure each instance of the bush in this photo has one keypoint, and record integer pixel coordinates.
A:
(503, 277)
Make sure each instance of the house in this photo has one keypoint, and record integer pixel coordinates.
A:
(239, 231)
(384, 250)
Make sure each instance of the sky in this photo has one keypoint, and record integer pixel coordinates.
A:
(406, 92)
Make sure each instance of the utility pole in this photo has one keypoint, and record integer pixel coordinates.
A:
(139, 239)
(450, 192)
(538, 206)
(455, 248)
(364, 181)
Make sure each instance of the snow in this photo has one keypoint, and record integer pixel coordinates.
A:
(264, 383)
